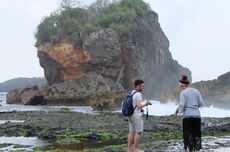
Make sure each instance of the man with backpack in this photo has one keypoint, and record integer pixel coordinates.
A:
(136, 119)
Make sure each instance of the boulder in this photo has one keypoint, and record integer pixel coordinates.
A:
(79, 91)
(26, 96)
(107, 101)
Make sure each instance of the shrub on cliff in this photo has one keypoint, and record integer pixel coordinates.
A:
(121, 16)
(116, 17)
(68, 22)
(65, 24)
(47, 31)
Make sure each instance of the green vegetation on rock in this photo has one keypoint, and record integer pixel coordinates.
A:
(121, 16)
(165, 135)
(64, 25)
(69, 22)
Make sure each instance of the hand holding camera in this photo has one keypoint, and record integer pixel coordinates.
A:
(148, 103)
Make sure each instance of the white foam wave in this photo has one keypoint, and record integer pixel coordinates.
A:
(163, 109)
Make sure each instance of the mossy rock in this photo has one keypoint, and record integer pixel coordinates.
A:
(107, 101)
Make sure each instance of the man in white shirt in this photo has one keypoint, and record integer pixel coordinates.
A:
(136, 119)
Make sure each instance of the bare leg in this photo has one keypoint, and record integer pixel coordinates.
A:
(130, 140)
(137, 138)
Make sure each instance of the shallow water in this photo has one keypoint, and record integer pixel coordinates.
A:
(14, 107)
(84, 144)
(11, 121)
(21, 143)
(27, 141)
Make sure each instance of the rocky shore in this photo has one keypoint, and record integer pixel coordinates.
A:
(74, 131)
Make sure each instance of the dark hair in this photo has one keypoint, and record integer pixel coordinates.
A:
(138, 82)
(184, 80)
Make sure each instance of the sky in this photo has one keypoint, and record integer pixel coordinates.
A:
(198, 31)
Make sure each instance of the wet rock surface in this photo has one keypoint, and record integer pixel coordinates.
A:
(108, 131)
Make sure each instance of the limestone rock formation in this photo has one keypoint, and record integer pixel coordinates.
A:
(100, 53)
(120, 57)
(80, 91)
(82, 63)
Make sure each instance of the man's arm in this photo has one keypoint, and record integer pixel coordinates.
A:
(142, 104)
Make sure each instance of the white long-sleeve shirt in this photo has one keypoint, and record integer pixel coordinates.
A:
(190, 101)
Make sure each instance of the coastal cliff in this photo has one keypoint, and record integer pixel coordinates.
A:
(214, 92)
(119, 56)
(105, 52)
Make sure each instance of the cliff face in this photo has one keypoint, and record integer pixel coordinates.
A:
(217, 91)
(118, 57)
(214, 92)
(62, 62)
(147, 56)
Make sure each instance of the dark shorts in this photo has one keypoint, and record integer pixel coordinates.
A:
(192, 133)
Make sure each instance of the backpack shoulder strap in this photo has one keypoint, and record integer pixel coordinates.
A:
(132, 97)
(133, 93)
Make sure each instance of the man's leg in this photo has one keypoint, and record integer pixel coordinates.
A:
(137, 138)
(139, 126)
(130, 140)
(131, 134)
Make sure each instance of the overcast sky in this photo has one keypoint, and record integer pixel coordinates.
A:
(198, 31)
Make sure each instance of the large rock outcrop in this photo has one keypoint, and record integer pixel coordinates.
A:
(81, 91)
(85, 63)
(120, 57)
(27, 96)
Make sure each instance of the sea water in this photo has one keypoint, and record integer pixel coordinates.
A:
(157, 108)
(163, 109)
(16, 107)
